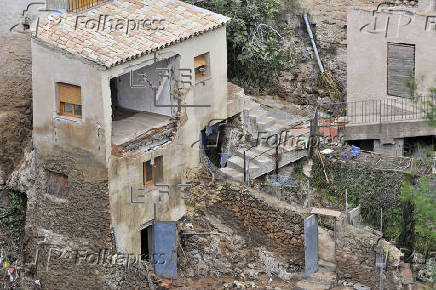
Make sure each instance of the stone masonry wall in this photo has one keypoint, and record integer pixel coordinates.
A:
(68, 234)
(69, 212)
(356, 253)
(273, 223)
(279, 225)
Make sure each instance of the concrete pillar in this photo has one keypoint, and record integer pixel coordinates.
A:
(393, 147)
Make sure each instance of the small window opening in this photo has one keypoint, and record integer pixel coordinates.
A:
(70, 100)
(153, 172)
(201, 66)
(57, 184)
(148, 172)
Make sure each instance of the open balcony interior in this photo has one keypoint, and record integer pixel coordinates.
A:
(142, 100)
(132, 124)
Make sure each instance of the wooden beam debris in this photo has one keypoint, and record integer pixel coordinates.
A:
(326, 211)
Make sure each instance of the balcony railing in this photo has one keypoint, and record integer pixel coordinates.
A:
(72, 5)
(383, 110)
(369, 112)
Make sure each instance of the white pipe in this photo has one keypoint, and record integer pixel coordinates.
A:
(315, 50)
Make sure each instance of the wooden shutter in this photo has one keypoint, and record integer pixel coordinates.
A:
(200, 60)
(69, 94)
(401, 68)
(148, 172)
(77, 4)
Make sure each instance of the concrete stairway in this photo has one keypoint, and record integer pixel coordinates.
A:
(260, 159)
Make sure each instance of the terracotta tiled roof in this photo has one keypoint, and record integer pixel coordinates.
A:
(86, 34)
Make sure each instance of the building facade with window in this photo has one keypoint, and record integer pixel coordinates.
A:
(390, 51)
(122, 106)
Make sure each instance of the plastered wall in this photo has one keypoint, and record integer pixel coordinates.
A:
(129, 218)
(52, 131)
(367, 50)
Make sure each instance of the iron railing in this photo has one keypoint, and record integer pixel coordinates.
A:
(367, 112)
(385, 110)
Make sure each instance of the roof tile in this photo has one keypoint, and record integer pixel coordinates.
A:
(109, 46)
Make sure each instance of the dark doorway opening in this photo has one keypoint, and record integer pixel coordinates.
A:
(419, 147)
(212, 140)
(366, 145)
(146, 242)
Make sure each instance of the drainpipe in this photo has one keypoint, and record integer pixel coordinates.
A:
(245, 170)
(315, 50)
(277, 157)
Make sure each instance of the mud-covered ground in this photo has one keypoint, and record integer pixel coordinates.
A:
(15, 87)
(15, 124)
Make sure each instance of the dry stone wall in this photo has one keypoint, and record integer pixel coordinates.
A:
(272, 223)
(356, 254)
(280, 226)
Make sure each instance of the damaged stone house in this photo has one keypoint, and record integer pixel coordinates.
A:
(388, 51)
(120, 92)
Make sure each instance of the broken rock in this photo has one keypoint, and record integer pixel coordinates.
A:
(359, 286)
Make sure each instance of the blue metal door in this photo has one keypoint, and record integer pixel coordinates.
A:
(311, 244)
(164, 249)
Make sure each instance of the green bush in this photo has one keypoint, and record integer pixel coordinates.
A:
(12, 217)
(371, 188)
(423, 197)
(255, 49)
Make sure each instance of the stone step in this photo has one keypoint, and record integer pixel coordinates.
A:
(291, 156)
(264, 122)
(252, 155)
(251, 106)
(306, 285)
(237, 163)
(233, 174)
(323, 276)
(257, 112)
(263, 164)
(270, 150)
(275, 128)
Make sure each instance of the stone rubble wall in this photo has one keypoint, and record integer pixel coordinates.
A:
(272, 223)
(68, 237)
(283, 228)
(280, 227)
(356, 254)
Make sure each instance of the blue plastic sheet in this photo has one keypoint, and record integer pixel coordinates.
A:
(351, 153)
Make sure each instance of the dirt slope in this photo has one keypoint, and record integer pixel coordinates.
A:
(15, 88)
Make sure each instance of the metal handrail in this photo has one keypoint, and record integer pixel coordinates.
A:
(384, 110)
